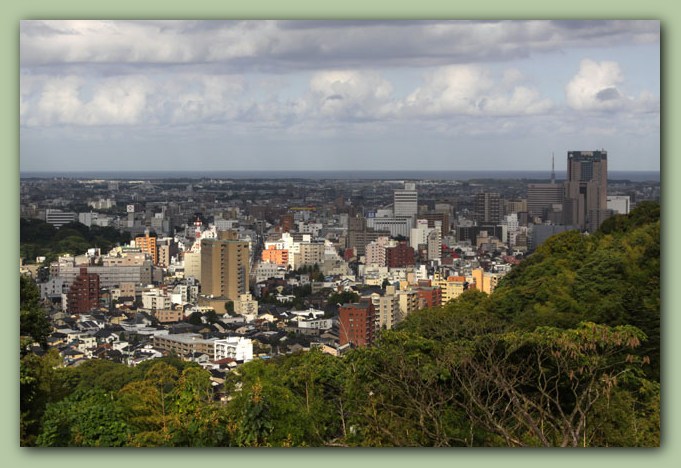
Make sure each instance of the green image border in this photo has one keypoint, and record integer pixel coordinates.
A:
(13, 11)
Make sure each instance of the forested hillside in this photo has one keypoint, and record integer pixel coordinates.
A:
(565, 352)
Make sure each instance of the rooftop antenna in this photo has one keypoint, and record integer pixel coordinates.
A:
(553, 169)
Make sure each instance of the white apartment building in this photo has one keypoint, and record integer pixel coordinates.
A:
(419, 234)
(619, 204)
(375, 251)
(235, 347)
(156, 299)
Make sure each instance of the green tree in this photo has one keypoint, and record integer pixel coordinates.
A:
(85, 419)
(541, 388)
(147, 406)
(34, 325)
(196, 420)
(40, 383)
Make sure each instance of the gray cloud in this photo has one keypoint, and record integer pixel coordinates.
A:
(159, 82)
(608, 94)
(308, 44)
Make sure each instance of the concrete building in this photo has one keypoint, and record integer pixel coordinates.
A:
(485, 281)
(434, 243)
(309, 254)
(245, 305)
(394, 226)
(168, 315)
(619, 204)
(405, 202)
(408, 302)
(234, 347)
(224, 266)
(399, 256)
(58, 218)
(357, 323)
(360, 234)
(185, 344)
(429, 297)
(167, 251)
(387, 308)
(585, 203)
(375, 251)
(488, 208)
(419, 234)
(110, 276)
(83, 294)
(451, 287)
(156, 299)
(192, 264)
(276, 256)
(541, 199)
(147, 245)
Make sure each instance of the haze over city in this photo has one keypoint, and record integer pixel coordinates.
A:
(337, 95)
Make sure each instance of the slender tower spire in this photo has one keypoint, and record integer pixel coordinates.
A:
(553, 169)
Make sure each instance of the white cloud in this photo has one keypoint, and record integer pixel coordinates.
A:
(71, 100)
(349, 94)
(473, 90)
(599, 86)
(129, 100)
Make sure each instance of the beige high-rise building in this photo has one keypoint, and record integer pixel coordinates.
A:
(192, 264)
(224, 266)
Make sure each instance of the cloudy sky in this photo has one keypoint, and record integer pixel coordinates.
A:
(297, 95)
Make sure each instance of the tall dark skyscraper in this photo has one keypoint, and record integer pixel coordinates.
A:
(586, 189)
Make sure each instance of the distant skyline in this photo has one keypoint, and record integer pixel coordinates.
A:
(337, 95)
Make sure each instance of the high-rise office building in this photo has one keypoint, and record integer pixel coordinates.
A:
(543, 199)
(224, 266)
(405, 201)
(585, 203)
(488, 208)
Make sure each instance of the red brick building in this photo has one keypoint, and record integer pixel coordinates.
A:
(400, 256)
(429, 297)
(357, 323)
(83, 295)
(287, 222)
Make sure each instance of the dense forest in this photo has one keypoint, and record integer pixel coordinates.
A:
(38, 238)
(565, 352)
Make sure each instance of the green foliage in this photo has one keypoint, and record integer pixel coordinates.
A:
(398, 393)
(196, 421)
(345, 297)
(100, 374)
(287, 402)
(38, 238)
(40, 384)
(34, 325)
(85, 419)
(611, 277)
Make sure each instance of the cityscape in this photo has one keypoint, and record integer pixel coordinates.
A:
(314, 305)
